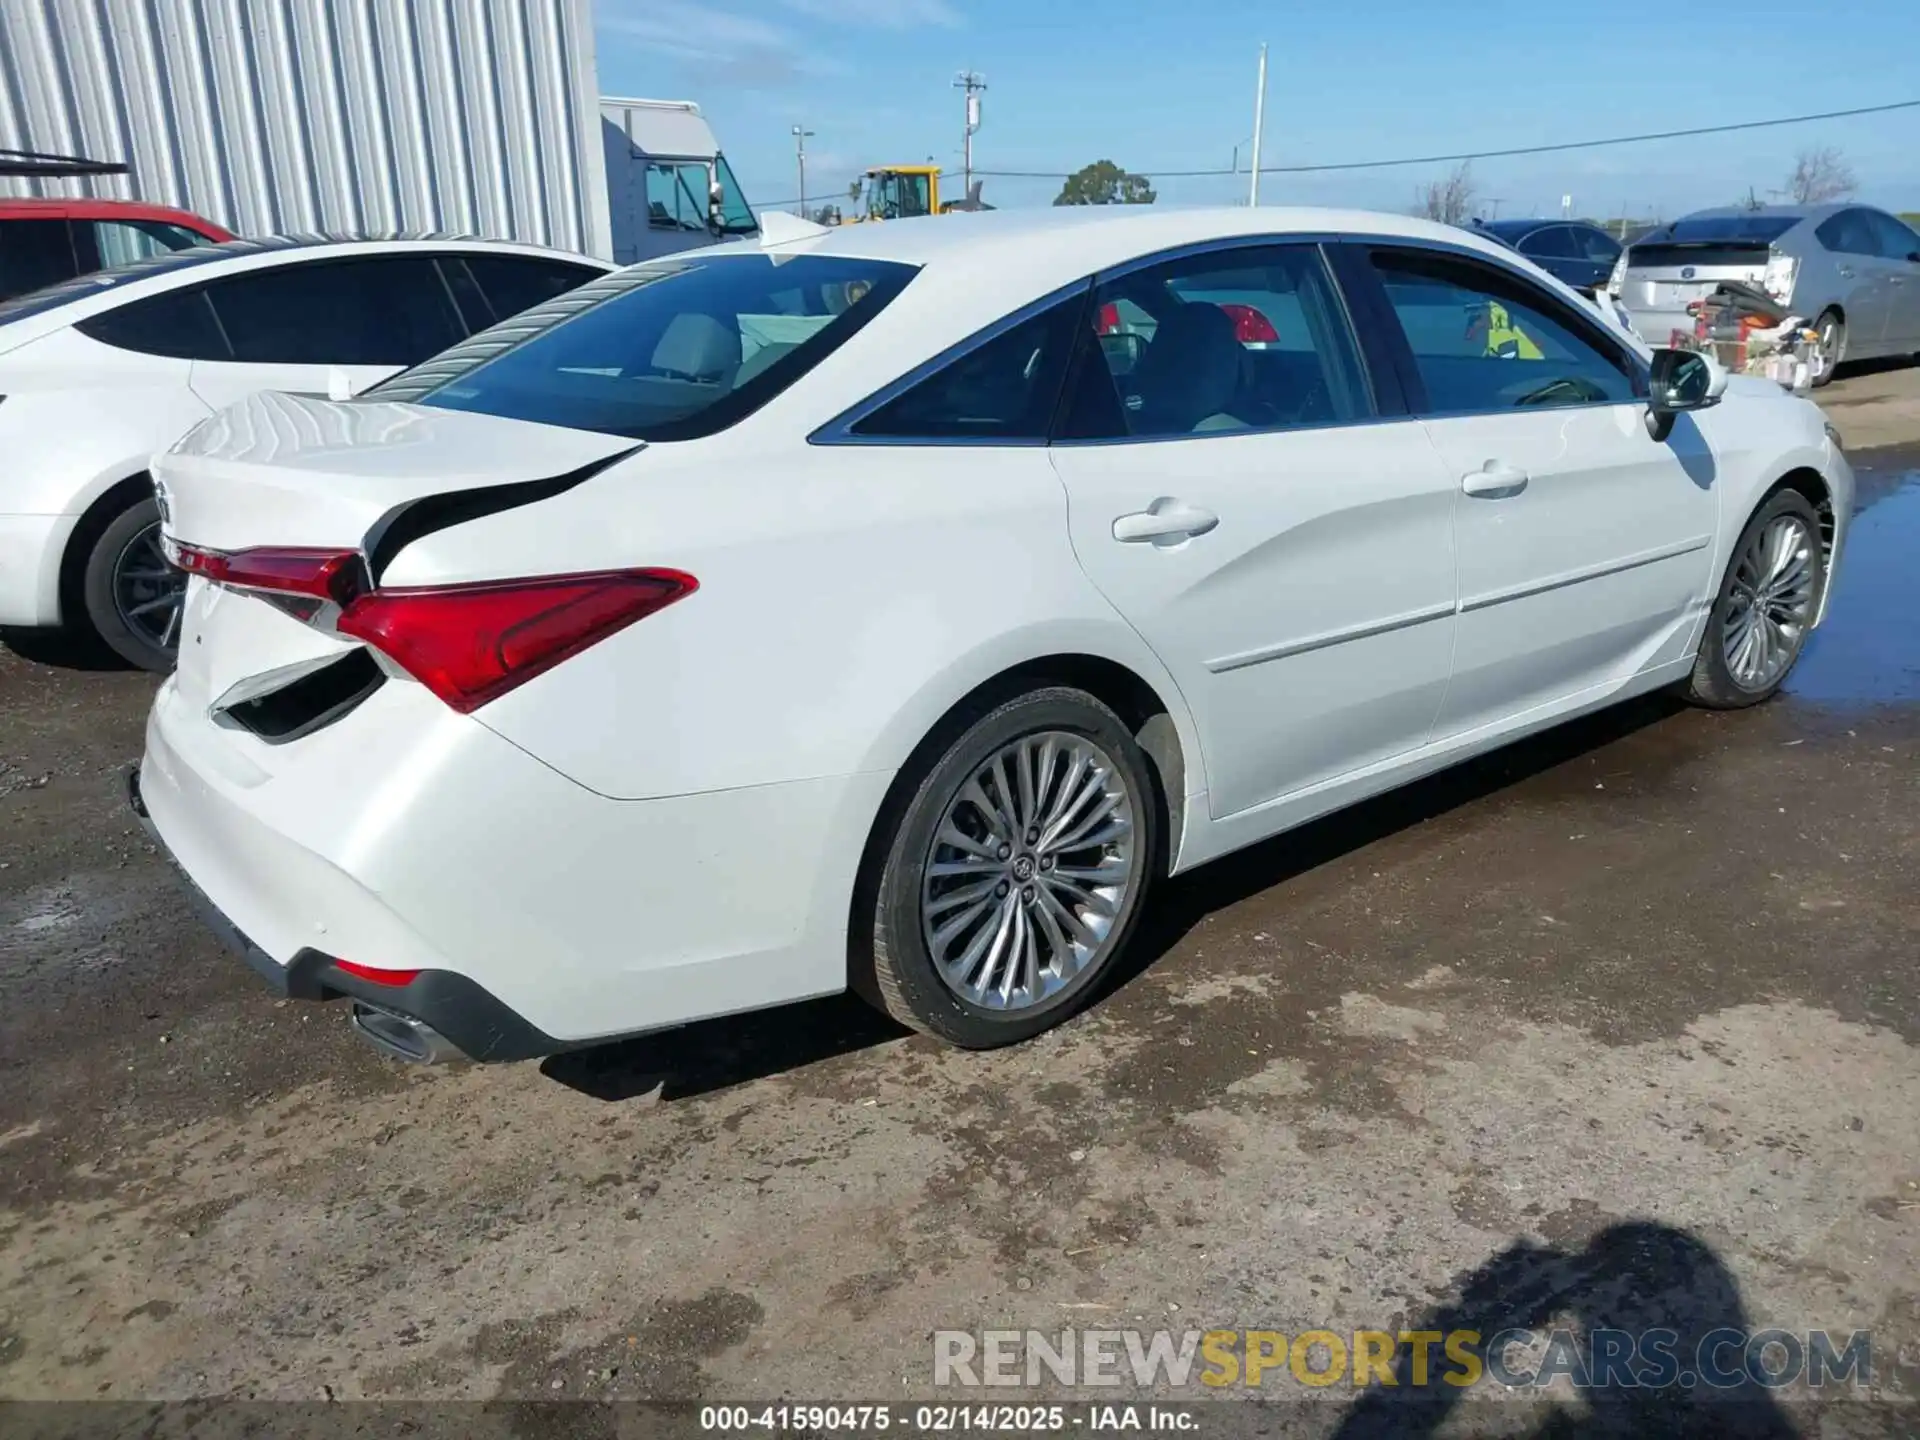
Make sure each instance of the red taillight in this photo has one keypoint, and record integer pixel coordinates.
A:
(316, 575)
(472, 643)
(1108, 322)
(1250, 327)
(378, 977)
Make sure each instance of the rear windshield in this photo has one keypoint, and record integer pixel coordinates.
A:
(1720, 230)
(680, 348)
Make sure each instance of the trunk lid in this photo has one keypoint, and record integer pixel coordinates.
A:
(303, 472)
(1670, 276)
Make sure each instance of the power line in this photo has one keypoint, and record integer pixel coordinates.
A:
(1488, 154)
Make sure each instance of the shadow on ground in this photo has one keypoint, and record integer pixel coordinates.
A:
(1631, 1278)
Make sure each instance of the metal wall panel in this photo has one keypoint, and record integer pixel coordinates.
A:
(279, 116)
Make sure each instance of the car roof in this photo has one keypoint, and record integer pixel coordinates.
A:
(1513, 229)
(89, 207)
(86, 295)
(1063, 243)
(1779, 212)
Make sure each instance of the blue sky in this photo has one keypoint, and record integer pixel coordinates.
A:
(1170, 86)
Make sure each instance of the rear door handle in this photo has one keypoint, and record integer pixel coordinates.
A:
(1844, 271)
(1496, 479)
(1165, 522)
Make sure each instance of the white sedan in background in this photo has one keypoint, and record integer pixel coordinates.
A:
(99, 373)
(894, 606)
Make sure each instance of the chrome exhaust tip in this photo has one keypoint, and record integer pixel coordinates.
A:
(401, 1036)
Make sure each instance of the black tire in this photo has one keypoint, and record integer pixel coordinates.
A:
(900, 975)
(1712, 683)
(1832, 328)
(124, 541)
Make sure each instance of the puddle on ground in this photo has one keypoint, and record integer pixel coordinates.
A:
(1868, 650)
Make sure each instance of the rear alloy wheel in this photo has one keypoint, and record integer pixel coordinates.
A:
(1766, 605)
(1832, 330)
(133, 596)
(1015, 872)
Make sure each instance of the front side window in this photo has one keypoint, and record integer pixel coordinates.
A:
(898, 197)
(677, 195)
(512, 283)
(386, 310)
(1486, 341)
(1894, 240)
(736, 216)
(1596, 245)
(1242, 339)
(1002, 389)
(679, 348)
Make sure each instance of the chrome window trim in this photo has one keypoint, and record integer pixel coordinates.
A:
(839, 430)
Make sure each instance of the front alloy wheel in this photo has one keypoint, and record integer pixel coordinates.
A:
(1766, 605)
(1772, 601)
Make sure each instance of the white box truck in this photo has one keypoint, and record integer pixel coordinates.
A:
(272, 117)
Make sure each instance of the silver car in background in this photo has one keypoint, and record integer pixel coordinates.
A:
(1850, 269)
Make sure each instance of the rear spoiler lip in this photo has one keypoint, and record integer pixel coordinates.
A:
(429, 514)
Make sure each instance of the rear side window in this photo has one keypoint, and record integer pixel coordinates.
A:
(1483, 340)
(376, 311)
(34, 253)
(179, 324)
(1553, 243)
(680, 348)
(514, 283)
(1003, 389)
(1850, 233)
(121, 242)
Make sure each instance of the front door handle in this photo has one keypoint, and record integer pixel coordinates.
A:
(1845, 272)
(1165, 522)
(1496, 479)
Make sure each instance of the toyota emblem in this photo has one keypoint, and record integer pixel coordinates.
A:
(1687, 273)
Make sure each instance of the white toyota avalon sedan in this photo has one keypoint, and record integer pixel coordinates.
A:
(893, 607)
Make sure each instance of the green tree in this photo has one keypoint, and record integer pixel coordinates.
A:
(1105, 183)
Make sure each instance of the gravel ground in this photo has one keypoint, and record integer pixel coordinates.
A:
(1621, 1022)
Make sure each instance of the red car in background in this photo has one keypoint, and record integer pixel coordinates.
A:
(43, 242)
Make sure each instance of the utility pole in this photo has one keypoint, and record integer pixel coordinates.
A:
(1259, 123)
(1495, 201)
(972, 84)
(800, 134)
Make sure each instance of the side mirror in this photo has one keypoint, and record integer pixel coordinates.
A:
(1681, 380)
(716, 208)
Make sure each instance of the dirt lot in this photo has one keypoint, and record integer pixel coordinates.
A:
(1622, 1023)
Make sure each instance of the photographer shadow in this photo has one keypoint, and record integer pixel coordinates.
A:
(1634, 1277)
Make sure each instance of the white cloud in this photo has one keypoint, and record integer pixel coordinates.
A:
(719, 46)
(887, 14)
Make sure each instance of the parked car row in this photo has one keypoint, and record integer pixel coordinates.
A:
(1850, 269)
(101, 372)
(893, 606)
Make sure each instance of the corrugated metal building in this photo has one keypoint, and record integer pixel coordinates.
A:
(364, 116)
